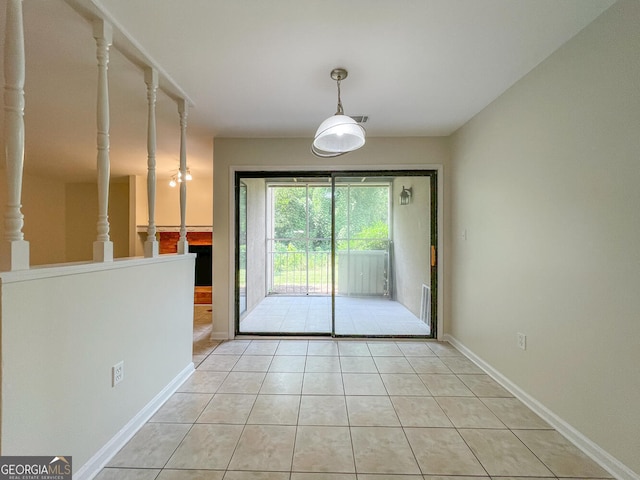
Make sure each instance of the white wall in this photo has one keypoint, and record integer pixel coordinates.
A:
(256, 233)
(546, 183)
(292, 154)
(61, 334)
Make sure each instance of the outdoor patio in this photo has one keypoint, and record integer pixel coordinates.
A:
(303, 314)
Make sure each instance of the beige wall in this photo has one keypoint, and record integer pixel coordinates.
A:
(199, 202)
(60, 218)
(43, 204)
(546, 184)
(80, 221)
(291, 154)
(119, 218)
(81, 216)
(199, 205)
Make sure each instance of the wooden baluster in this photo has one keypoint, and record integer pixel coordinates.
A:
(151, 244)
(15, 250)
(183, 245)
(103, 247)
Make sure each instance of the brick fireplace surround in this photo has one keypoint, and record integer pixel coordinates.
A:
(169, 244)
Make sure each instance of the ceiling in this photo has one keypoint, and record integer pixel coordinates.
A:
(256, 68)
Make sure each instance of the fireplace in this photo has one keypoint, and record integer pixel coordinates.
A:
(203, 264)
(200, 243)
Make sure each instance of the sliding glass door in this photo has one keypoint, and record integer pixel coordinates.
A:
(321, 253)
(382, 249)
(288, 241)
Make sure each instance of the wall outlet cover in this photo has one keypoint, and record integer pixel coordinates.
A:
(522, 341)
(117, 373)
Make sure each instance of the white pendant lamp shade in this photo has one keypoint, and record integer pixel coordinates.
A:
(338, 134)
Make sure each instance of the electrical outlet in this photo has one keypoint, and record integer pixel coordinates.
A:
(117, 373)
(522, 341)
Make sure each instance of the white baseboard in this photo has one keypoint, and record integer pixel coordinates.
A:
(107, 452)
(219, 336)
(611, 464)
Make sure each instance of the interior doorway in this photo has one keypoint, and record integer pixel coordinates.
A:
(336, 254)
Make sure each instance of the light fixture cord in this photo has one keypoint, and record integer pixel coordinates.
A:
(340, 110)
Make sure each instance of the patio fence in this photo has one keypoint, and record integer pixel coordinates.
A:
(306, 272)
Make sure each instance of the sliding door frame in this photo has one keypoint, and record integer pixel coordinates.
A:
(432, 171)
(433, 211)
(238, 176)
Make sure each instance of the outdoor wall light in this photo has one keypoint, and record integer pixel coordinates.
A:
(405, 195)
(339, 133)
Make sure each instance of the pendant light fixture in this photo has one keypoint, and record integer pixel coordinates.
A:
(338, 134)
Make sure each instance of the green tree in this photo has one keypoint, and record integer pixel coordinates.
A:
(319, 216)
(363, 207)
(374, 237)
(290, 212)
(362, 212)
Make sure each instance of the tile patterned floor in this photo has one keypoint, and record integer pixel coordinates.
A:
(312, 314)
(343, 410)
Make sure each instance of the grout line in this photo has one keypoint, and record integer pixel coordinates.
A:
(344, 397)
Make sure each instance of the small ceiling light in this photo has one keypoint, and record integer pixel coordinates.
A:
(405, 195)
(176, 178)
(338, 134)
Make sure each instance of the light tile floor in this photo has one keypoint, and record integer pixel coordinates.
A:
(312, 314)
(343, 410)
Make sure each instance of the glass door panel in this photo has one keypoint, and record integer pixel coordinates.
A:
(289, 244)
(382, 255)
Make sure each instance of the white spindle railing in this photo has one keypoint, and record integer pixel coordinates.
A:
(151, 244)
(103, 247)
(183, 245)
(15, 250)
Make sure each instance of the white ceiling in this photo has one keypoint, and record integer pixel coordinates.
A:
(256, 68)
